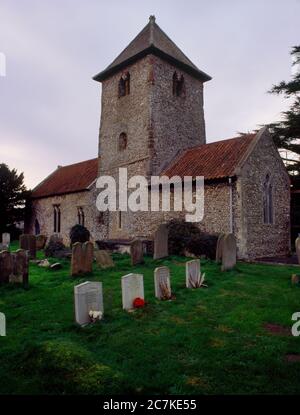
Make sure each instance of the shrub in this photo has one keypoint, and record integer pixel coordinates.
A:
(79, 233)
(186, 236)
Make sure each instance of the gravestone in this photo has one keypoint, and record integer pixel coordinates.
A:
(297, 246)
(2, 325)
(161, 237)
(87, 297)
(192, 273)
(6, 239)
(14, 267)
(162, 283)
(132, 288)
(229, 252)
(28, 242)
(219, 250)
(136, 252)
(40, 242)
(103, 259)
(82, 258)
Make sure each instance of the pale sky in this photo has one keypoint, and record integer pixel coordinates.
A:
(50, 106)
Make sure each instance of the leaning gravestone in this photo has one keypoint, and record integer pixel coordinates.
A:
(6, 266)
(192, 273)
(103, 259)
(161, 237)
(136, 252)
(162, 283)
(229, 252)
(82, 258)
(219, 250)
(40, 242)
(28, 242)
(6, 239)
(297, 246)
(132, 288)
(87, 297)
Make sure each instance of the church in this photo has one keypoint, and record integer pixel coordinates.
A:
(152, 123)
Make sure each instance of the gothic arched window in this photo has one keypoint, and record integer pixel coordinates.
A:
(56, 218)
(124, 85)
(122, 141)
(80, 214)
(178, 85)
(268, 200)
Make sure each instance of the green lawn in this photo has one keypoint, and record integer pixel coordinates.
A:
(207, 341)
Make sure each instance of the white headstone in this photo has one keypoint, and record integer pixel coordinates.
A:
(132, 288)
(192, 273)
(2, 325)
(6, 239)
(88, 296)
(162, 283)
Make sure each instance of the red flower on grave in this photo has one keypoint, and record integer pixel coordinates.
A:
(138, 302)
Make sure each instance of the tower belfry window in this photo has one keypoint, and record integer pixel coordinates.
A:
(178, 85)
(124, 85)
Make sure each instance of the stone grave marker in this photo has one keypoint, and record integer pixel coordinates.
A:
(136, 252)
(132, 288)
(192, 273)
(6, 266)
(103, 259)
(87, 297)
(6, 239)
(28, 242)
(219, 250)
(161, 237)
(2, 325)
(40, 242)
(162, 283)
(229, 252)
(14, 267)
(82, 258)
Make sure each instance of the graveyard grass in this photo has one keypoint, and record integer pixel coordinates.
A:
(207, 341)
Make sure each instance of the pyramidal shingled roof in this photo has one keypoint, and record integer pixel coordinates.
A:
(152, 40)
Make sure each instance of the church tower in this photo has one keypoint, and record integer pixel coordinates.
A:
(152, 105)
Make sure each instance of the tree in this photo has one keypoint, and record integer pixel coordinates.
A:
(13, 195)
(286, 132)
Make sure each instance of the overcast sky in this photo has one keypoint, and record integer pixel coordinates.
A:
(50, 106)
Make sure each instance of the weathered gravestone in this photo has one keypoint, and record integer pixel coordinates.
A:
(40, 242)
(28, 242)
(229, 252)
(87, 297)
(103, 259)
(192, 273)
(82, 258)
(219, 250)
(136, 252)
(2, 325)
(132, 288)
(6, 239)
(162, 283)
(297, 246)
(14, 267)
(161, 237)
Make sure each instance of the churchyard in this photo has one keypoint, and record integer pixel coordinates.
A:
(231, 336)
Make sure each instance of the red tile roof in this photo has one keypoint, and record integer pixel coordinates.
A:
(68, 179)
(213, 161)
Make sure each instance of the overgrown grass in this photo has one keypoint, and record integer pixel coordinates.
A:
(206, 341)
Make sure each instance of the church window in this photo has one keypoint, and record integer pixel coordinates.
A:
(80, 214)
(268, 200)
(101, 218)
(178, 85)
(120, 219)
(56, 218)
(124, 85)
(122, 141)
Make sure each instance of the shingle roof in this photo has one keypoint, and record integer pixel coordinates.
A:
(152, 39)
(213, 161)
(68, 179)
